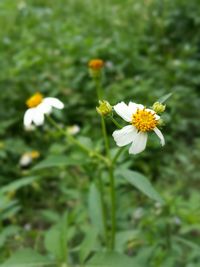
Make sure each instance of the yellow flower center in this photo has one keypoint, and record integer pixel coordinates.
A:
(34, 100)
(34, 154)
(144, 120)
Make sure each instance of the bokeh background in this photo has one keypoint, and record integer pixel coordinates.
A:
(151, 48)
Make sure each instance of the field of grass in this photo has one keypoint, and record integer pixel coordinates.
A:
(51, 211)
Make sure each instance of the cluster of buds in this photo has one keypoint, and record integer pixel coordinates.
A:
(95, 68)
(159, 107)
(104, 108)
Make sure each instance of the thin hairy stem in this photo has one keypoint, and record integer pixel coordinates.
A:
(73, 140)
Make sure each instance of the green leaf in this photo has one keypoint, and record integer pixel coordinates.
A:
(55, 161)
(111, 259)
(165, 98)
(187, 242)
(142, 183)
(123, 237)
(7, 232)
(21, 182)
(27, 258)
(95, 209)
(56, 239)
(88, 244)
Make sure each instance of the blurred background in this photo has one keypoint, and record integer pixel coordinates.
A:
(151, 48)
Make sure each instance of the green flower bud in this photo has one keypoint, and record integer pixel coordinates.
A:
(104, 108)
(158, 107)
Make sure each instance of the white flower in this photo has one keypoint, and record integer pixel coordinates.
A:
(142, 120)
(74, 129)
(27, 158)
(38, 107)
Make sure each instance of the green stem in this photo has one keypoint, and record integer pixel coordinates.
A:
(113, 208)
(110, 169)
(106, 141)
(115, 122)
(103, 210)
(76, 142)
(112, 185)
(98, 88)
(117, 155)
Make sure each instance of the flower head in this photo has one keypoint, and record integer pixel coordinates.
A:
(38, 106)
(96, 64)
(104, 108)
(95, 68)
(142, 120)
(28, 157)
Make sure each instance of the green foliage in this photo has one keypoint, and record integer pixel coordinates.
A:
(56, 239)
(27, 257)
(141, 182)
(151, 52)
(111, 260)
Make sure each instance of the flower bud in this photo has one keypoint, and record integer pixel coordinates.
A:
(158, 107)
(95, 68)
(104, 108)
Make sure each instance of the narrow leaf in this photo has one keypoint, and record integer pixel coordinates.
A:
(165, 98)
(111, 259)
(94, 203)
(88, 244)
(142, 183)
(27, 258)
(55, 161)
(21, 182)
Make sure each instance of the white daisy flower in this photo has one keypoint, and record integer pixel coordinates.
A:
(142, 120)
(38, 107)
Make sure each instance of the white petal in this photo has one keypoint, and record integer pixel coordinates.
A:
(38, 117)
(133, 106)
(28, 117)
(125, 135)
(160, 135)
(54, 102)
(139, 143)
(45, 108)
(123, 111)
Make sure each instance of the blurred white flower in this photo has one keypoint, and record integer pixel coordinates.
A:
(138, 213)
(73, 130)
(28, 157)
(142, 120)
(38, 107)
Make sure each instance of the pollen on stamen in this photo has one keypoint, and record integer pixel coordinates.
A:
(144, 120)
(34, 100)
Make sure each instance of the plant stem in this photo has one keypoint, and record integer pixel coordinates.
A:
(112, 185)
(103, 209)
(106, 141)
(113, 207)
(110, 169)
(115, 122)
(73, 140)
(98, 88)
(117, 155)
